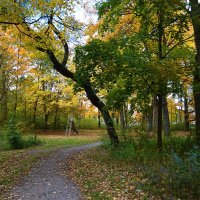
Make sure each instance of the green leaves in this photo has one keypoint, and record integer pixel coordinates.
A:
(98, 62)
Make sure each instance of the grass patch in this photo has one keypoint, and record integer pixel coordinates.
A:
(60, 140)
(90, 123)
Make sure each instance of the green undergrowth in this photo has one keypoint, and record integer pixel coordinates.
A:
(136, 170)
(90, 124)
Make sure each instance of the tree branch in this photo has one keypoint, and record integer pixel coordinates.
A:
(10, 23)
(59, 67)
(176, 46)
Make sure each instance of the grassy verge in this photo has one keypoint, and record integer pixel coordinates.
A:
(84, 137)
(16, 163)
(136, 170)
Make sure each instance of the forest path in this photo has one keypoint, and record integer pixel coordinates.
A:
(46, 181)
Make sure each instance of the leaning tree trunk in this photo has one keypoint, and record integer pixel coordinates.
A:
(195, 15)
(86, 85)
(104, 112)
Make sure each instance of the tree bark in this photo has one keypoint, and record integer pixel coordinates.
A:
(16, 99)
(35, 110)
(160, 92)
(150, 119)
(55, 123)
(166, 123)
(155, 113)
(159, 131)
(4, 99)
(186, 114)
(104, 112)
(25, 109)
(195, 15)
(122, 119)
(99, 119)
(126, 115)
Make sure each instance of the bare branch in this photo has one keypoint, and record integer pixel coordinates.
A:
(9, 23)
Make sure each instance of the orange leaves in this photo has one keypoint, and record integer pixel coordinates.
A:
(127, 25)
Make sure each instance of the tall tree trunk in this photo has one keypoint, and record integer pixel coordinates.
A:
(34, 111)
(171, 109)
(46, 113)
(159, 131)
(165, 117)
(55, 120)
(25, 109)
(34, 117)
(195, 15)
(155, 113)
(181, 108)
(56, 123)
(150, 119)
(117, 118)
(16, 99)
(4, 99)
(186, 114)
(99, 119)
(122, 119)
(161, 84)
(46, 118)
(126, 114)
(56, 117)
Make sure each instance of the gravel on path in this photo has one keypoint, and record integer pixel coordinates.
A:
(46, 182)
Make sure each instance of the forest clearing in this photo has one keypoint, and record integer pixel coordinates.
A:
(100, 99)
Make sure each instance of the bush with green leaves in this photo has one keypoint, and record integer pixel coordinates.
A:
(14, 136)
(16, 140)
(184, 174)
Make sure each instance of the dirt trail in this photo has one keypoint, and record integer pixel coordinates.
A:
(46, 182)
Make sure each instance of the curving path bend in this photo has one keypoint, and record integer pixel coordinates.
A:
(45, 181)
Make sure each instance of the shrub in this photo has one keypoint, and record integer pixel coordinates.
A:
(184, 175)
(14, 136)
(15, 139)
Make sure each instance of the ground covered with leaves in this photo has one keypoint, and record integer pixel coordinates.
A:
(136, 170)
(102, 177)
(17, 163)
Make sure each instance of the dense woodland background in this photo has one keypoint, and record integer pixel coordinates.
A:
(135, 71)
(138, 63)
